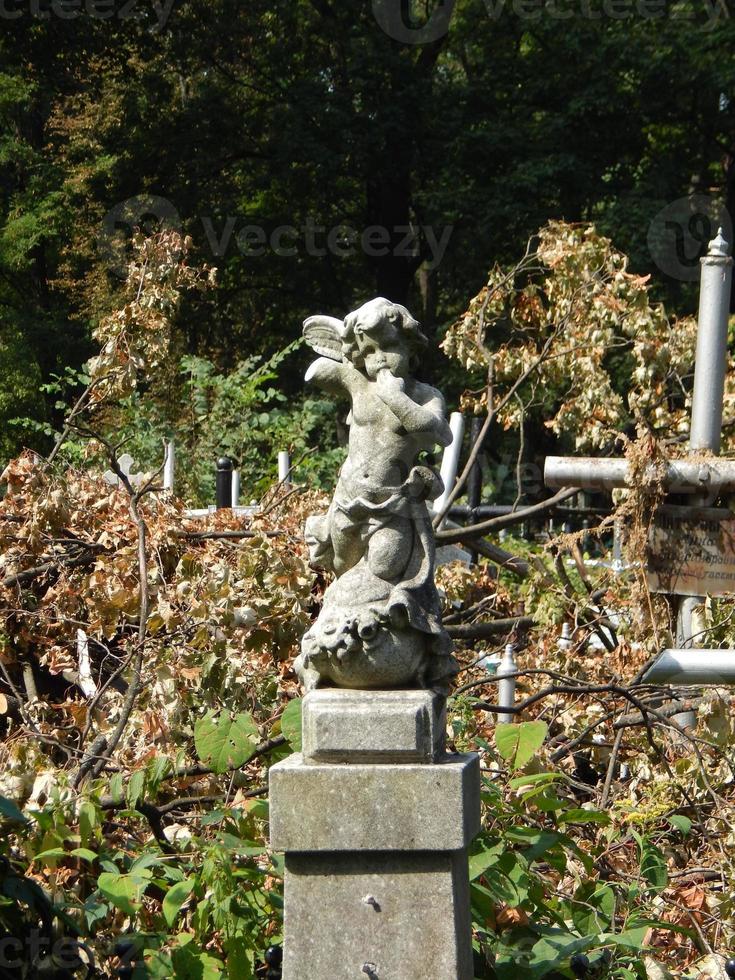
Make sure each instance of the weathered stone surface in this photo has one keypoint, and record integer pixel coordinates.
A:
(380, 623)
(374, 807)
(377, 917)
(452, 552)
(372, 726)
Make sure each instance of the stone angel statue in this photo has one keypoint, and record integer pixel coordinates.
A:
(380, 625)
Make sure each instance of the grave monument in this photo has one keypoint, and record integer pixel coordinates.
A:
(374, 815)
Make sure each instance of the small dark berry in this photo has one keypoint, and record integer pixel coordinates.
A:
(274, 956)
(730, 968)
(580, 965)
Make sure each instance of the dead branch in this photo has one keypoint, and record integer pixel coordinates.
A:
(489, 418)
(30, 574)
(505, 520)
(477, 631)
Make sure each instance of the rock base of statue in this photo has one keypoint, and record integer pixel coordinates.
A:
(375, 819)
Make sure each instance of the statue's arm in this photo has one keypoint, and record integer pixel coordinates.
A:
(429, 418)
(333, 376)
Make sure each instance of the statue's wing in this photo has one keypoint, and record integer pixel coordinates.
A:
(324, 335)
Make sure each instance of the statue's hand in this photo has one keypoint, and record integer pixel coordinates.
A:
(388, 382)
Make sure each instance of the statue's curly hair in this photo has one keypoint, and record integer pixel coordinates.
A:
(382, 309)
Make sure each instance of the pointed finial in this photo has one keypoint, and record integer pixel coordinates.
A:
(719, 247)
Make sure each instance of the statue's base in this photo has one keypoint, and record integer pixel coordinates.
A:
(376, 852)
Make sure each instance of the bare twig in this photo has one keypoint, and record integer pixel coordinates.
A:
(611, 769)
(491, 415)
(447, 536)
(476, 631)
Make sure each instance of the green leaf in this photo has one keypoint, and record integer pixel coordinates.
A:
(629, 938)
(116, 787)
(681, 823)
(136, 783)
(538, 841)
(87, 820)
(291, 724)
(555, 949)
(225, 743)
(653, 866)
(518, 744)
(482, 857)
(10, 811)
(122, 891)
(84, 853)
(191, 964)
(536, 778)
(593, 908)
(53, 853)
(240, 958)
(175, 898)
(581, 815)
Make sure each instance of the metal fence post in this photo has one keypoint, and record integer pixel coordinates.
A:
(506, 686)
(284, 467)
(223, 487)
(169, 464)
(711, 360)
(450, 460)
(705, 431)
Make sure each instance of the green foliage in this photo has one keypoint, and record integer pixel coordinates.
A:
(224, 742)
(21, 410)
(291, 724)
(215, 110)
(518, 744)
(239, 413)
(217, 880)
(522, 921)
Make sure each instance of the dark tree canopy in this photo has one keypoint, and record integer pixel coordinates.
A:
(253, 119)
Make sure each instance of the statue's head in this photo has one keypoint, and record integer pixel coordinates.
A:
(381, 334)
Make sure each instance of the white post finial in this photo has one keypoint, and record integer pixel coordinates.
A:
(719, 247)
(507, 686)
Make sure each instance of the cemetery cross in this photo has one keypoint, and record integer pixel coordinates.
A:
(702, 476)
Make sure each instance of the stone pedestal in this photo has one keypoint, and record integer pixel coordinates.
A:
(375, 819)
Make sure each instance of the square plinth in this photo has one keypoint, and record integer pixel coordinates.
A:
(374, 807)
(372, 726)
(377, 917)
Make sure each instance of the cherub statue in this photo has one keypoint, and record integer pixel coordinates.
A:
(380, 624)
